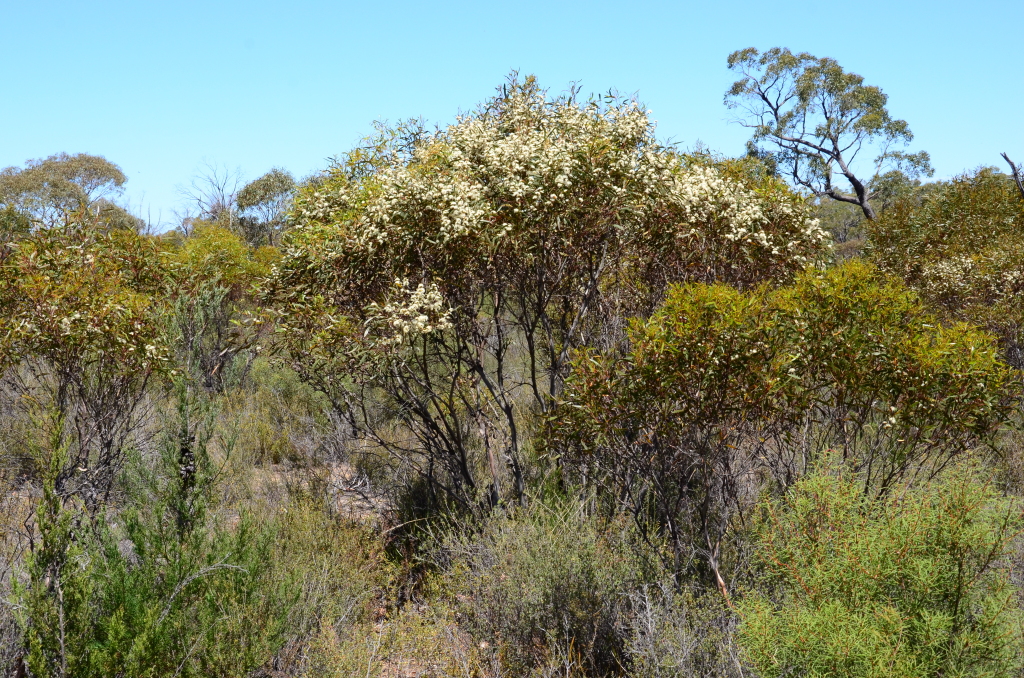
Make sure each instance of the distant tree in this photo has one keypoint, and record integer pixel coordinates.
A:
(211, 196)
(262, 205)
(819, 119)
(48, 191)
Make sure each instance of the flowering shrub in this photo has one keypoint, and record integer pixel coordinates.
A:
(527, 177)
(81, 333)
(541, 223)
(962, 247)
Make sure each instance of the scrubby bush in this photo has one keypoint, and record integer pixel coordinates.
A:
(163, 586)
(339, 567)
(280, 418)
(435, 283)
(720, 387)
(213, 253)
(549, 581)
(214, 275)
(912, 584)
(961, 245)
(82, 335)
(681, 633)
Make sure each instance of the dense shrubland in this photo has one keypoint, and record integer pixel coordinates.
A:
(530, 394)
(435, 286)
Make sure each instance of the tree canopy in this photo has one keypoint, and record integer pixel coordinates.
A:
(819, 119)
(48, 191)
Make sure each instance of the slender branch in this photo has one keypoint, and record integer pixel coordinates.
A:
(188, 580)
(1016, 172)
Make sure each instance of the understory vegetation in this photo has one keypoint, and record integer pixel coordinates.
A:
(532, 394)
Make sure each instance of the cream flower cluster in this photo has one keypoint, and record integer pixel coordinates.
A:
(411, 312)
(526, 162)
(965, 277)
(949, 277)
(707, 198)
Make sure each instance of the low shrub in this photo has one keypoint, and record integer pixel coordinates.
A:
(913, 584)
(546, 582)
(682, 633)
(162, 585)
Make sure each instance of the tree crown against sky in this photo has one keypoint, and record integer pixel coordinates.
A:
(819, 121)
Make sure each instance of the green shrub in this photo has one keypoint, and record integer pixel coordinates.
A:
(545, 581)
(721, 387)
(163, 586)
(962, 247)
(279, 418)
(909, 585)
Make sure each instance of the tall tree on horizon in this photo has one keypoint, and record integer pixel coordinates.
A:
(819, 119)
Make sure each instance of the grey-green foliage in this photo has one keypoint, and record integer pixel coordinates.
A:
(819, 119)
(681, 633)
(47, 191)
(262, 205)
(549, 580)
(164, 586)
(203, 331)
(913, 584)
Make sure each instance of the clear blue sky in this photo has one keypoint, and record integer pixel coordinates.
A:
(161, 87)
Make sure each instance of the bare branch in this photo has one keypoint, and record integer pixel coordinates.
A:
(1016, 172)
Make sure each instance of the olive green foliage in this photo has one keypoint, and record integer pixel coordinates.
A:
(131, 575)
(161, 587)
(819, 118)
(214, 274)
(847, 223)
(909, 585)
(213, 253)
(50, 191)
(79, 315)
(961, 246)
(720, 384)
(80, 288)
(58, 594)
(13, 224)
(281, 418)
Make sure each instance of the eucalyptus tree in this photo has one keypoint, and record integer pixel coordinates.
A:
(263, 205)
(821, 120)
(49, 191)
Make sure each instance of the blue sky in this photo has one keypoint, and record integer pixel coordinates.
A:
(162, 88)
